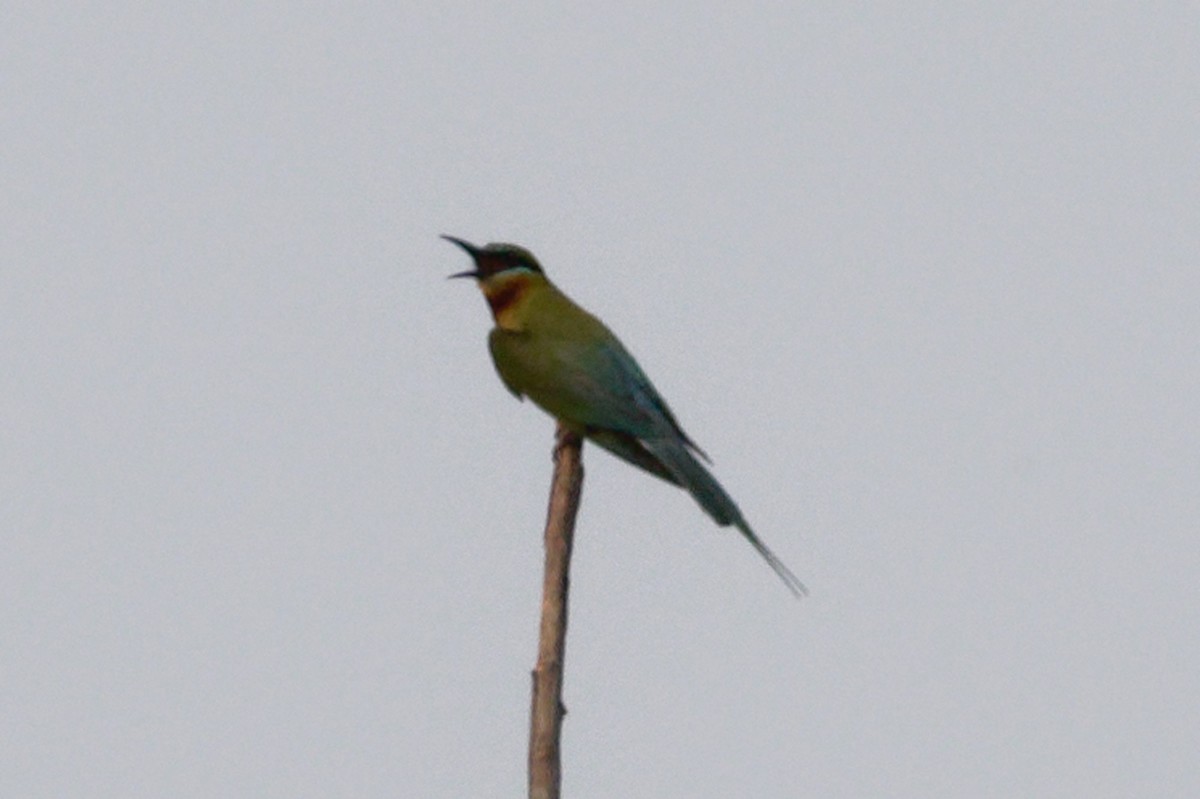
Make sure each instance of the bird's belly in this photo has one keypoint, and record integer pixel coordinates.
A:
(534, 369)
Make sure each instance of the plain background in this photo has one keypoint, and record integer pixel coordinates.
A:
(922, 278)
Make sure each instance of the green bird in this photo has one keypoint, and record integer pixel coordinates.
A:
(570, 364)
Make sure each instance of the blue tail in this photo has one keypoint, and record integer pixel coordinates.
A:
(671, 460)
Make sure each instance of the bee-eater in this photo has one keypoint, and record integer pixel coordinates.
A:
(547, 348)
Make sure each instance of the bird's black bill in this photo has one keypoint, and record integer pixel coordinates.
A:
(471, 250)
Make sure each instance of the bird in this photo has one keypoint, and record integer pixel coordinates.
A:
(547, 348)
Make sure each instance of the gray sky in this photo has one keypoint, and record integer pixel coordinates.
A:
(923, 281)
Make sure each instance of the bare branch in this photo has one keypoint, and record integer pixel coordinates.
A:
(547, 710)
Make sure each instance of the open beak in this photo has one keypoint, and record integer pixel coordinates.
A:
(471, 250)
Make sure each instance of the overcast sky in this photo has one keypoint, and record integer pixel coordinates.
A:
(921, 278)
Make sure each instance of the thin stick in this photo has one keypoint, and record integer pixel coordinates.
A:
(547, 711)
